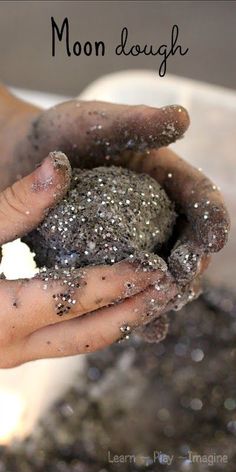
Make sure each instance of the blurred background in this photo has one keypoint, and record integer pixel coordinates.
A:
(207, 28)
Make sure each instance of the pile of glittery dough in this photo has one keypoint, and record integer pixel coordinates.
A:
(108, 215)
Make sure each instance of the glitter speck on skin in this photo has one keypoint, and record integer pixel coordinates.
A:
(70, 280)
(125, 330)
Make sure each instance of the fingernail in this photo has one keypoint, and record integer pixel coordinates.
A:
(156, 330)
(55, 161)
(217, 236)
(184, 263)
(44, 172)
(60, 160)
(203, 263)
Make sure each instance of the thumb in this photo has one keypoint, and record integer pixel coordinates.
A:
(24, 205)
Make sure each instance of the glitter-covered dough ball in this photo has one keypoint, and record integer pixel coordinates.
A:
(108, 214)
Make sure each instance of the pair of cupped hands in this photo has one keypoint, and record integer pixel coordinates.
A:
(33, 179)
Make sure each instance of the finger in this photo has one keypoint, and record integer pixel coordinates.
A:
(95, 330)
(185, 294)
(187, 260)
(93, 132)
(194, 194)
(155, 331)
(31, 305)
(24, 204)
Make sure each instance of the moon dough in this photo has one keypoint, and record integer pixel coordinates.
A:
(108, 214)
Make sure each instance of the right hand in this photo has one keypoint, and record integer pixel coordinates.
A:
(109, 299)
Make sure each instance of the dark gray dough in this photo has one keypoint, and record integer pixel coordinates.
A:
(108, 214)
